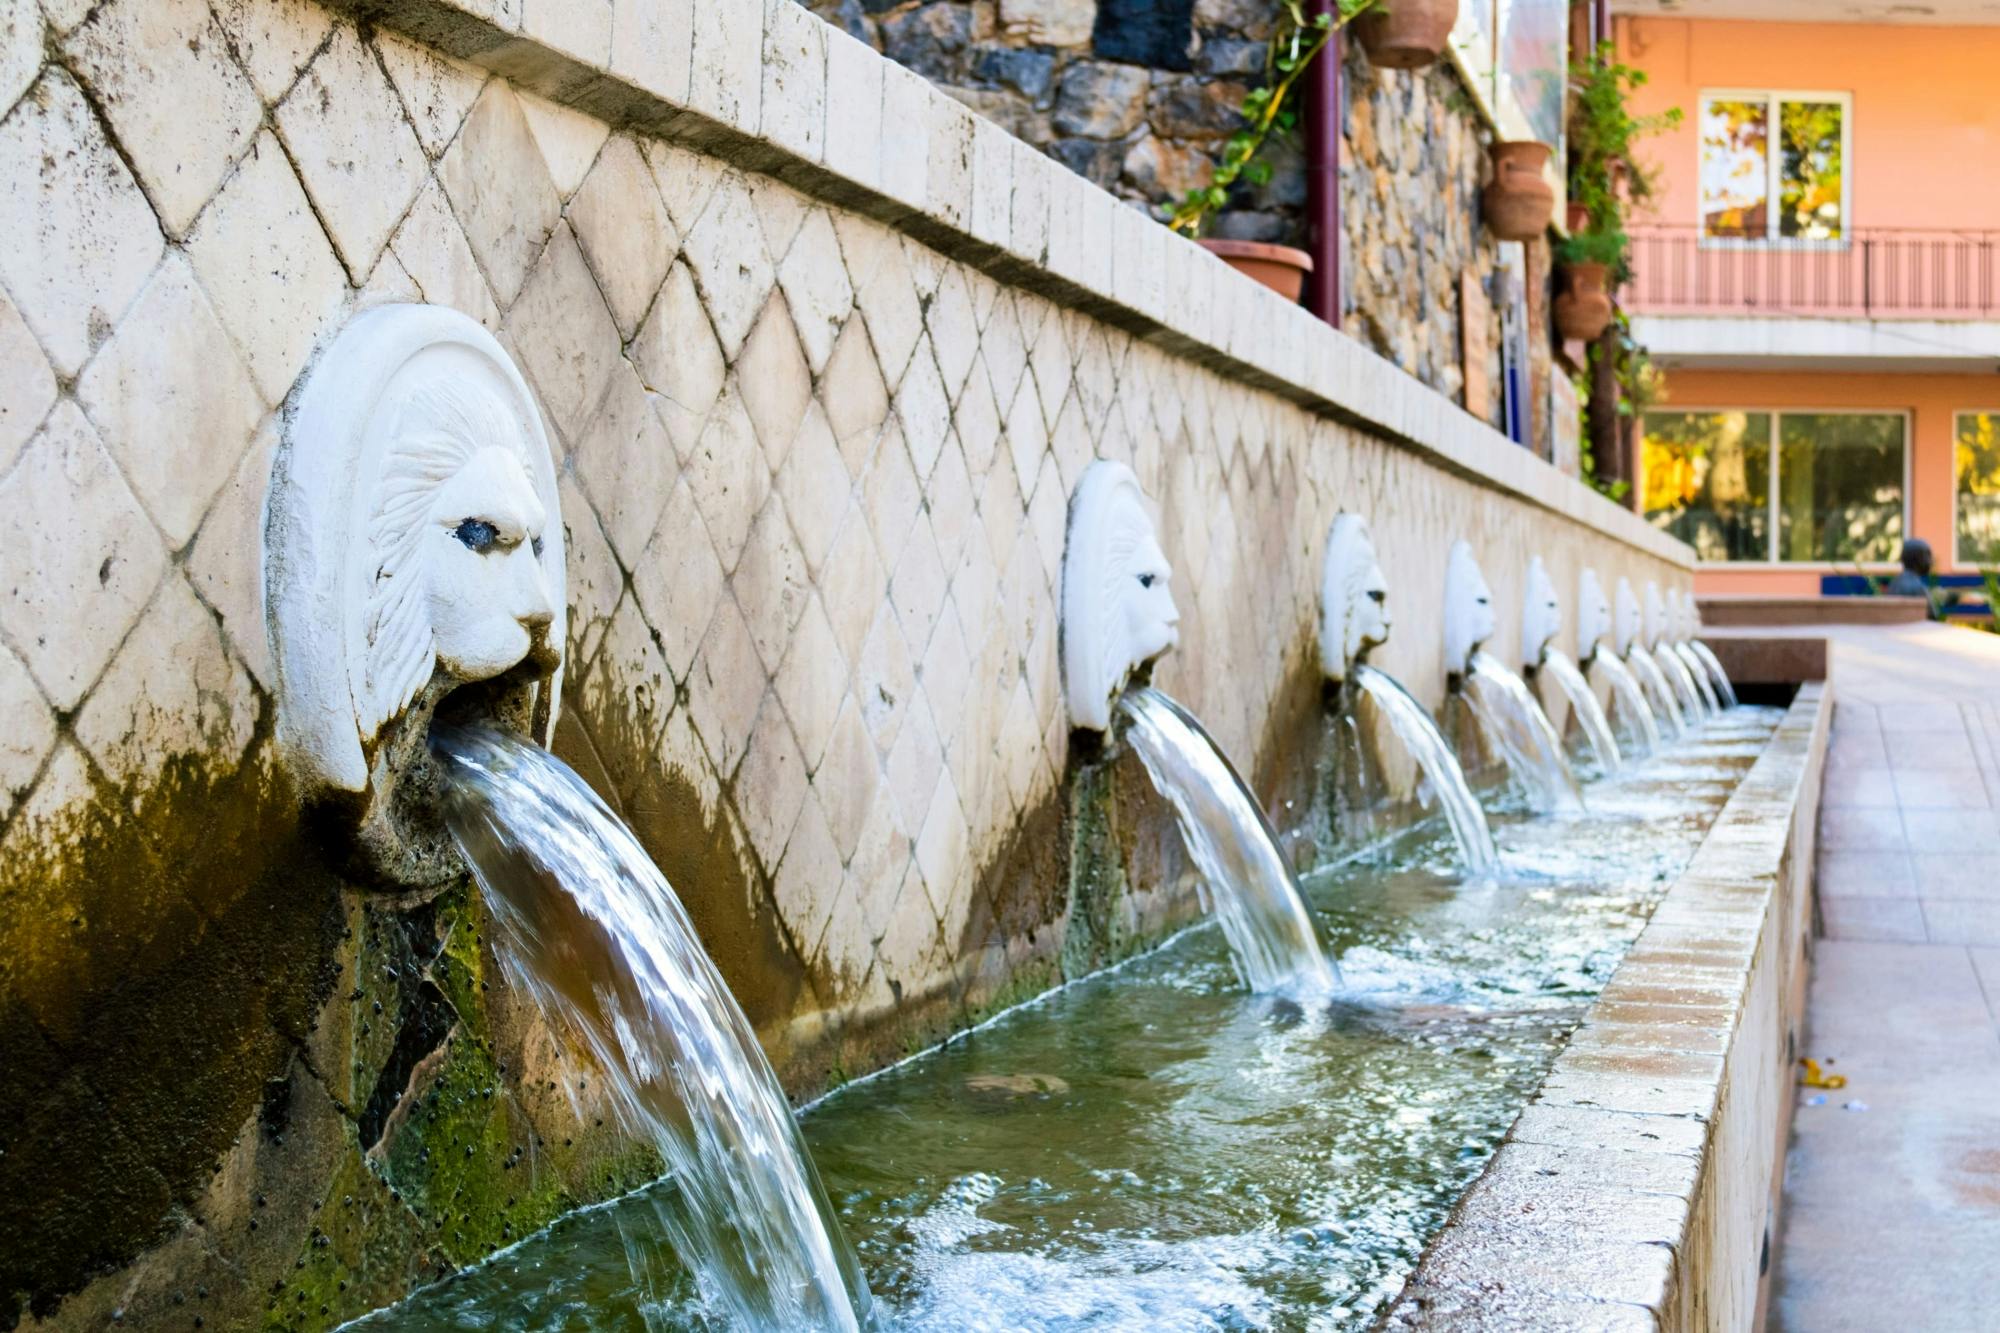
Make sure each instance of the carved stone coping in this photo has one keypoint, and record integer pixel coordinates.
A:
(1635, 1190)
(769, 86)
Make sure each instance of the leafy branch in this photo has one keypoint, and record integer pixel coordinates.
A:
(1296, 40)
(1605, 173)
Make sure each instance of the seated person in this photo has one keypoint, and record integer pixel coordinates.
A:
(1914, 581)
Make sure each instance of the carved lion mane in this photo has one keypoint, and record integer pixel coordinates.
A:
(436, 430)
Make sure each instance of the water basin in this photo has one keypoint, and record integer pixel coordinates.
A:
(1156, 1147)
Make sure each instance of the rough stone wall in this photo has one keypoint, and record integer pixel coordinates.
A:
(814, 473)
(1137, 97)
(1411, 170)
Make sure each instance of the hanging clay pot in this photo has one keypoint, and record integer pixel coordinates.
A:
(1279, 267)
(1406, 34)
(1519, 202)
(1577, 217)
(1583, 311)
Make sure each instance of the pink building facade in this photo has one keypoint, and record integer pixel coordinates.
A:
(1819, 276)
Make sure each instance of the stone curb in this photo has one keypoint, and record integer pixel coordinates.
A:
(1635, 1191)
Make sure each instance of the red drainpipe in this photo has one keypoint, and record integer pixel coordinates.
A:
(1322, 120)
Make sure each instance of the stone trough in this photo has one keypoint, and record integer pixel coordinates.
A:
(1640, 1188)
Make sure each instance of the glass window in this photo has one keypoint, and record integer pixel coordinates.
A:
(1757, 184)
(1979, 488)
(1808, 487)
(1735, 167)
(1840, 483)
(1708, 481)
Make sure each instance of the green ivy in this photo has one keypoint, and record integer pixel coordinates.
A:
(1605, 173)
(1296, 41)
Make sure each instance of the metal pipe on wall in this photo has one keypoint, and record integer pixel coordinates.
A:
(1322, 124)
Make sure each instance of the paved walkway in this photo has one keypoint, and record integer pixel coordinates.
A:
(1892, 1213)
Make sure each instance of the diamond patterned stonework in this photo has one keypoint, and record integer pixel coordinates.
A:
(814, 475)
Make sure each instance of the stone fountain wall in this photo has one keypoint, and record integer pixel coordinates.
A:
(822, 353)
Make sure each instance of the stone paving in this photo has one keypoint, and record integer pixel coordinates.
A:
(1892, 1213)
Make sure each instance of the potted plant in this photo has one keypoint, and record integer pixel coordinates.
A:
(1591, 261)
(1406, 34)
(1297, 38)
(1519, 202)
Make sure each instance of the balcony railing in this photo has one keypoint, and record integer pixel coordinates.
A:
(1875, 274)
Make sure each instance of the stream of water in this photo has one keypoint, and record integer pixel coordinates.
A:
(1641, 725)
(1419, 735)
(1245, 882)
(590, 930)
(1583, 706)
(1514, 721)
(1724, 691)
(1697, 674)
(1659, 693)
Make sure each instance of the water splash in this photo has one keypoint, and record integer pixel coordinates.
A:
(1249, 887)
(1513, 719)
(590, 929)
(1666, 703)
(1631, 700)
(1419, 735)
(1697, 675)
(1583, 706)
(1724, 691)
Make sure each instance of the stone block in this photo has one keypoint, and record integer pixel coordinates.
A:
(180, 157)
(84, 238)
(1047, 22)
(500, 190)
(793, 101)
(360, 159)
(83, 562)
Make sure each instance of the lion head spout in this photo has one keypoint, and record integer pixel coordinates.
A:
(413, 554)
(1593, 615)
(1353, 597)
(1630, 620)
(1659, 625)
(1541, 614)
(1468, 610)
(1118, 611)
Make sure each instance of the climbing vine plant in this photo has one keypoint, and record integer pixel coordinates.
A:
(1296, 41)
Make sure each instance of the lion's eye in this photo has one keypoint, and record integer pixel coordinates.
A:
(1379, 596)
(477, 534)
(536, 543)
(1146, 580)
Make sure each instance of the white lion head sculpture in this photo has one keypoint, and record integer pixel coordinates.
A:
(1118, 609)
(1469, 620)
(412, 545)
(1659, 626)
(1630, 620)
(1353, 597)
(1541, 614)
(1593, 615)
(1685, 615)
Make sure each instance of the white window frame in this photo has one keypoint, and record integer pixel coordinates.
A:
(1776, 512)
(1958, 562)
(1772, 98)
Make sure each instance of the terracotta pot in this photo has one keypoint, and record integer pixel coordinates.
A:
(1519, 203)
(1406, 34)
(1279, 267)
(1578, 218)
(1583, 311)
